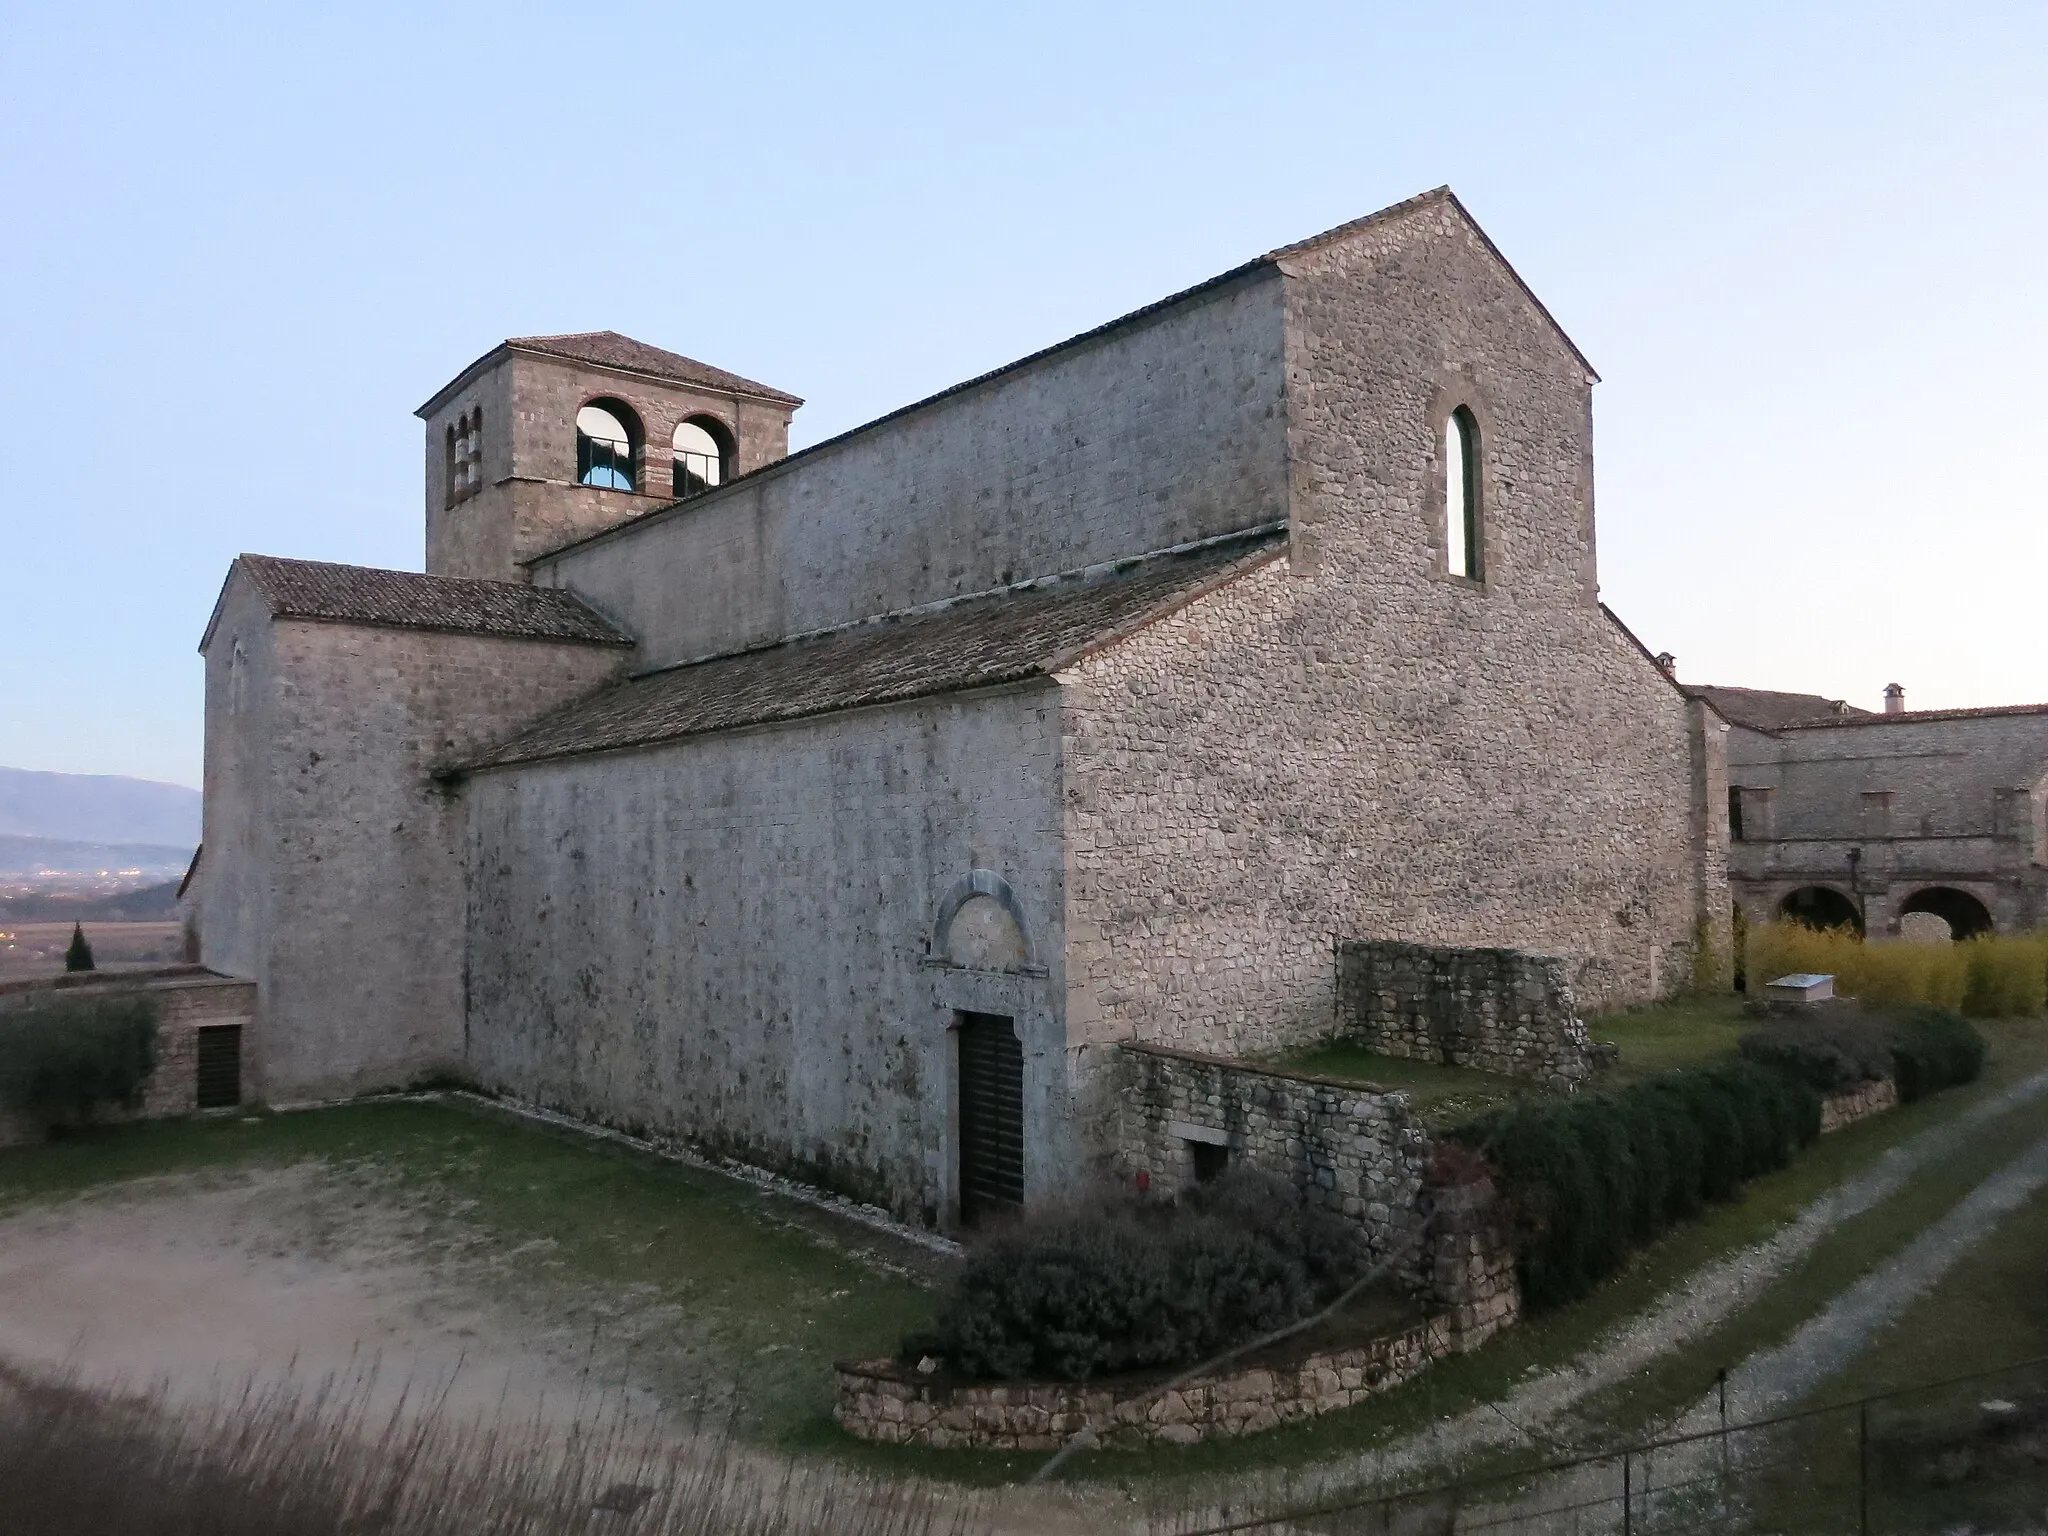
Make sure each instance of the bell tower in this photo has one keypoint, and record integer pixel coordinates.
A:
(548, 439)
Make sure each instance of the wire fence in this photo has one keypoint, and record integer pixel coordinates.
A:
(1966, 1454)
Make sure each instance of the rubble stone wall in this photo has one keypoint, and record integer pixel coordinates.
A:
(1496, 1010)
(881, 1400)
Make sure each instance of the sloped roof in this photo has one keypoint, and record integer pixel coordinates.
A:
(609, 349)
(1921, 716)
(360, 594)
(1761, 709)
(1006, 637)
(1271, 262)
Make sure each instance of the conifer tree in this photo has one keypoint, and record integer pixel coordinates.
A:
(79, 956)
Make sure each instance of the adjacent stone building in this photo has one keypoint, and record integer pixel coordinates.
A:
(1843, 816)
(849, 810)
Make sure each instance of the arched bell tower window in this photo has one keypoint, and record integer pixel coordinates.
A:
(1462, 542)
(703, 450)
(607, 446)
(465, 456)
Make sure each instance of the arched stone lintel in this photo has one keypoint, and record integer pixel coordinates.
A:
(983, 882)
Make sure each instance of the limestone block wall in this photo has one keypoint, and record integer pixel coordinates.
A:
(188, 1000)
(530, 502)
(1360, 1153)
(333, 871)
(1355, 740)
(1165, 429)
(730, 939)
(1495, 1010)
(1955, 798)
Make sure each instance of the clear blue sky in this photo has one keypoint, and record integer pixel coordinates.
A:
(1807, 247)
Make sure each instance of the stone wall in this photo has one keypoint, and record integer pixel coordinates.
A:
(730, 938)
(1359, 1152)
(1353, 740)
(1947, 798)
(1495, 1010)
(531, 502)
(880, 1400)
(188, 999)
(1166, 429)
(333, 875)
(1858, 1103)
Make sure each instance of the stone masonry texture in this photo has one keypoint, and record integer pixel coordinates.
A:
(1496, 1010)
(188, 999)
(1935, 800)
(733, 938)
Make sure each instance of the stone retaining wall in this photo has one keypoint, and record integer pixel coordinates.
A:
(1358, 1151)
(1858, 1103)
(881, 1400)
(188, 1000)
(1496, 1010)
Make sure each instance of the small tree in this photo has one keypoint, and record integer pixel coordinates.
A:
(79, 956)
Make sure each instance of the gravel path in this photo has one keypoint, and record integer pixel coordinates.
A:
(1709, 1296)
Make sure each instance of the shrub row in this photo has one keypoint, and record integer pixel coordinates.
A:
(65, 1059)
(1923, 1049)
(1994, 976)
(1126, 1284)
(1589, 1177)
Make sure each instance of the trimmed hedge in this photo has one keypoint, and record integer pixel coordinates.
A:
(65, 1059)
(1923, 1049)
(1132, 1284)
(1592, 1176)
(1934, 1049)
(1836, 1051)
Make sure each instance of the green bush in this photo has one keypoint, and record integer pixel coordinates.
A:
(1934, 1049)
(1838, 1050)
(63, 1060)
(1133, 1284)
(1592, 1176)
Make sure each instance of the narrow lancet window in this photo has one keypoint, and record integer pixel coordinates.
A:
(1461, 495)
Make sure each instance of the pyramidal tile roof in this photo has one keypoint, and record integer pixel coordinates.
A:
(610, 349)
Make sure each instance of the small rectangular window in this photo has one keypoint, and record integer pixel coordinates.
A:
(1211, 1161)
(1734, 815)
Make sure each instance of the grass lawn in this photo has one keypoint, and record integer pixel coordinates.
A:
(765, 1290)
(1652, 1040)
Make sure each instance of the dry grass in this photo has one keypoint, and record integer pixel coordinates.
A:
(298, 1460)
(1992, 977)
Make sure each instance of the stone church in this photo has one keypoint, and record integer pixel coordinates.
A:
(847, 810)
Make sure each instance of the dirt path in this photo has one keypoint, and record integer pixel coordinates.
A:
(199, 1285)
(1707, 1298)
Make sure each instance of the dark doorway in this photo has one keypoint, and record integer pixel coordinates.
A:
(1211, 1161)
(1965, 915)
(991, 1116)
(220, 1066)
(1816, 906)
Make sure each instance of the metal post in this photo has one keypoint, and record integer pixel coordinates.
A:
(1628, 1503)
(1863, 1469)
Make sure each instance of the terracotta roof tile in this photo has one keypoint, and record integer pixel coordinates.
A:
(359, 594)
(974, 643)
(609, 349)
(1761, 709)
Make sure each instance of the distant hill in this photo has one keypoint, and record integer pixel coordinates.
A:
(151, 904)
(97, 808)
(21, 857)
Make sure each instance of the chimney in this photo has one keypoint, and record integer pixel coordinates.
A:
(1668, 662)
(1894, 699)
